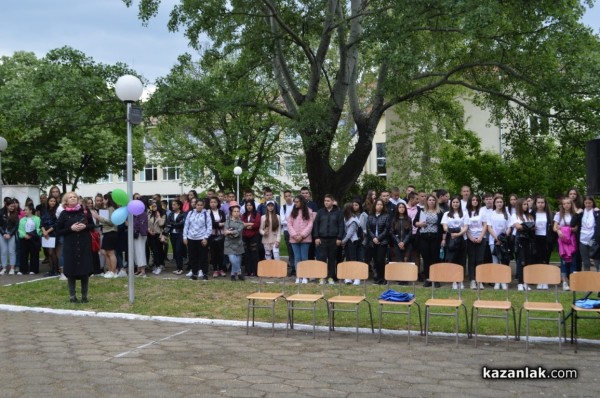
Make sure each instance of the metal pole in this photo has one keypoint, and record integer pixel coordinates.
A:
(1, 183)
(238, 189)
(130, 261)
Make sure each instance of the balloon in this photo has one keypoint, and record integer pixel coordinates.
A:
(120, 197)
(119, 216)
(136, 207)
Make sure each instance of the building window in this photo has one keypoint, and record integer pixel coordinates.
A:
(293, 166)
(150, 173)
(106, 180)
(122, 177)
(170, 173)
(381, 169)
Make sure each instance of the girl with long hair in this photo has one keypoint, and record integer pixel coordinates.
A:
(110, 235)
(524, 223)
(499, 229)
(377, 238)
(270, 229)
(369, 201)
(251, 237)
(217, 239)
(49, 231)
(351, 238)
(543, 231)
(565, 226)
(234, 246)
(9, 223)
(300, 225)
(175, 224)
(589, 220)
(156, 225)
(455, 227)
(429, 220)
(477, 227)
(401, 230)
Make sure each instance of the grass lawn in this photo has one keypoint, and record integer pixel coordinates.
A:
(223, 299)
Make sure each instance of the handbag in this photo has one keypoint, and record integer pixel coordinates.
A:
(219, 237)
(95, 235)
(594, 249)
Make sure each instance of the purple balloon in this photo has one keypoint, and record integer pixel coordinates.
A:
(136, 207)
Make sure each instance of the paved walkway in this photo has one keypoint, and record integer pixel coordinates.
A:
(51, 355)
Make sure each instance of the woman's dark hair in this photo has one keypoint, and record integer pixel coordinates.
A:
(383, 210)
(470, 207)
(109, 199)
(52, 210)
(271, 219)
(30, 207)
(503, 206)
(359, 202)
(403, 222)
(578, 201)
(207, 201)
(592, 199)
(253, 211)
(508, 204)
(179, 202)
(348, 212)
(194, 193)
(459, 211)
(303, 208)
(521, 215)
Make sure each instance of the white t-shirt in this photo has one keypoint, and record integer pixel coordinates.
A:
(455, 222)
(566, 221)
(498, 224)
(475, 223)
(587, 226)
(541, 224)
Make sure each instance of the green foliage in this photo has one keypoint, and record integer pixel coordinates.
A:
(61, 119)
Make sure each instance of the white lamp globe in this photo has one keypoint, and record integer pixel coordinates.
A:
(3, 144)
(237, 170)
(129, 88)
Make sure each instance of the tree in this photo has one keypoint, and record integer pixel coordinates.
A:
(360, 58)
(200, 124)
(62, 119)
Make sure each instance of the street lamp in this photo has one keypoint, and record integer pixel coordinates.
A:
(3, 145)
(237, 170)
(129, 90)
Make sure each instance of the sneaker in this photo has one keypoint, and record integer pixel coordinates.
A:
(3, 272)
(216, 274)
(566, 287)
(454, 286)
(107, 275)
(356, 282)
(11, 272)
(142, 275)
(241, 277)
(540, 286)
(330, 281)
(19, 273)
(178, 272)
(496, 286)
(545, 286)
(520, 287)
(462, 286)
(62, 277)
(473, 285)
(481, 287)
(200, 274)
(32, 273)
(223, 273)
(348, 281)
(321, 281)
(525, 286)
(122, 274)
(160, 269)
(297, 281)
(189, 274)
(504, 286)
(304, 280)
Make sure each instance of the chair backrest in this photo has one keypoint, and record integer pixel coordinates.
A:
(353, 270)
(311, 269)
(446, 272)
(493, 273)
(541, 274)
(585, 281)
(272, 269)
(401, 272)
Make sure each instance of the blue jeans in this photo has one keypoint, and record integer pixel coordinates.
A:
(8, 250)
(300, 252)
(567, 268)
(236, 263)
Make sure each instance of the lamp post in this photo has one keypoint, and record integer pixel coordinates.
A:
(3, 145)
(237, 170)
(129, 90)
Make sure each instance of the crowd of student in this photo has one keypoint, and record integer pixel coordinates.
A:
(216, 234)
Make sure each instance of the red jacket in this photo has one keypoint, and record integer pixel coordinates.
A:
(255, 220)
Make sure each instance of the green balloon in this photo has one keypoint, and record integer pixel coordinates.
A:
(120, 197)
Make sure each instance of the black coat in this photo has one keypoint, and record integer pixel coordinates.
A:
(77, 246)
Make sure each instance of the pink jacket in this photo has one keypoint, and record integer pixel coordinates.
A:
(300, 226)
(567, 245)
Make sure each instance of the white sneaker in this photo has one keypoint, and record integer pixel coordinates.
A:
(121, 274)
(356, 282)
(566, 287)
(158, 270)
(348, 281)
(462, 286)
(520, 287)
(19, 273)
(189, 274)
(473, 285)
(496, 286)
(200, 274)
(545, 286)
(454, 286)
(62, 277)
(11, 272)
(107, 275)
(297, 281)
(321, 281)
(3, 272)
(504, 286)
(330, 281)
(32, 273)
(481, 287)
(525, 286)
(305, 280)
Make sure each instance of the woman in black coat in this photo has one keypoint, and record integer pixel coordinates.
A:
(75, 224)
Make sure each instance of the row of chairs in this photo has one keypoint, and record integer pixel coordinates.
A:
(442, 273)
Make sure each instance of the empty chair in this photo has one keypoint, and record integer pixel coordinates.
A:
(267, 269)
(310, 269)
(445, 273)
(580, 282)
(492, 273)
(349, 270)
(401, 272)
(542, 274)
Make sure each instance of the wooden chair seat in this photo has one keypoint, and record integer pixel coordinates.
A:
(264, 296)
(454, 303)
(347, 299)
(542, 306)
(588, 283)
(492, 304)
(308, 298)
(576, 308)
(267, 269)
(406, 303)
